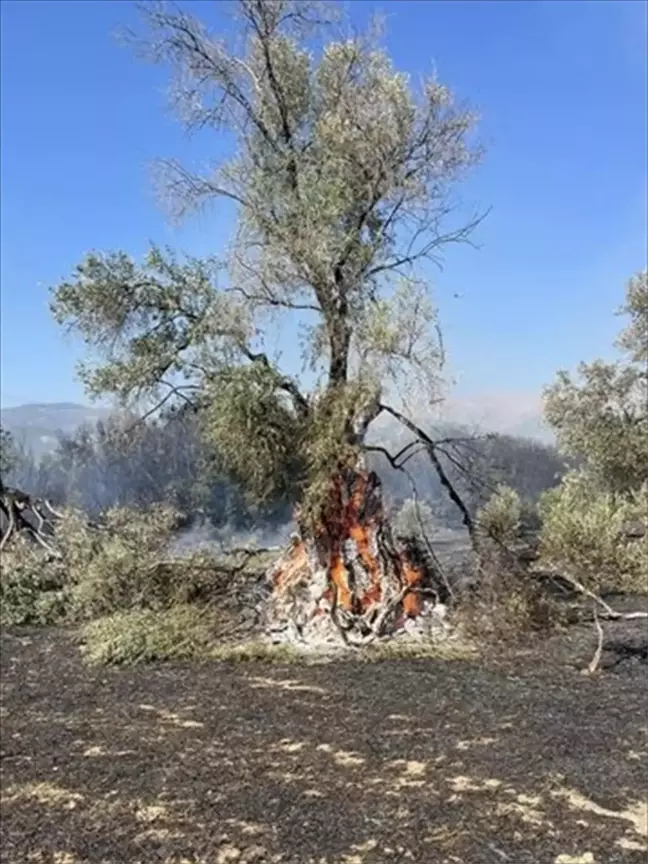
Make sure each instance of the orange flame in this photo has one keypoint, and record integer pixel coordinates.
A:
(354, 512)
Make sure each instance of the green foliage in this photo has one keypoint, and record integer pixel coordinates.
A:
(501, 517)
(603, 421)
(414, 519)
(8, 453)
(250, 424)
(32, 592)
(509, 601)
(329, 443)
(97, 571)
(585, 534)
(119, 570)
(633, 340)
(142, 635)
(147, 322)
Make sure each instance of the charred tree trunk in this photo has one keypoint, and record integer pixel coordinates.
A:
(349, 581)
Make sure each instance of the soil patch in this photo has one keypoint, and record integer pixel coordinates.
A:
(518, 759)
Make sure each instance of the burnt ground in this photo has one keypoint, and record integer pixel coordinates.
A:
(517, 759)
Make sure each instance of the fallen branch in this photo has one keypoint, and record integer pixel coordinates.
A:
(11, 524)
(610, 613)
(596, 659)
(15, 505)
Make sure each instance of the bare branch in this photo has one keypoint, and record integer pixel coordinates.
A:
(596, 659)
(393, 461)
(609, 612)
(11, 524)
(14, 504)
(430, 449)
(274, 301)
(174, 390)
(187, 191)
(438, 241)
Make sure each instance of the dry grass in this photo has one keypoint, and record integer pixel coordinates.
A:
(181, 633)
(258, 651)
(450, 648)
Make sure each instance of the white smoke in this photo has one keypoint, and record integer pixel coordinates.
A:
(204, 536)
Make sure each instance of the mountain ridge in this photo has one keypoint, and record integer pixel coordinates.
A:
(38, 425)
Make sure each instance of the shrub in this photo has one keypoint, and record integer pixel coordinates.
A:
(99, 570)
(584, 534)
(500, 518)
(414, 519)
(184, 632)
(33, 590)
(117, 569)
(508, 601)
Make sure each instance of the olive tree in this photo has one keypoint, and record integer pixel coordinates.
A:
(342, 179)
(596, 521)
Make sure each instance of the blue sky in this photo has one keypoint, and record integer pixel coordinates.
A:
(561, 88)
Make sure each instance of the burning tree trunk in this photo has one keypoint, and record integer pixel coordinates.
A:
(349, 581)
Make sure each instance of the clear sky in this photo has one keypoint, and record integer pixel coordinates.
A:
(561, 88)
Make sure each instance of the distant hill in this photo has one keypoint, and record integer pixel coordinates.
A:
(37, 425)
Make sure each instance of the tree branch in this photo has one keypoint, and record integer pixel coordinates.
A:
(430, 448)
(596, 659)
(283, 381)
(393, 461)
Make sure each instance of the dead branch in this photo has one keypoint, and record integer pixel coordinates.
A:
(393, 460)
(596, 659)
(11, 524)
(46, 503)
(430, 449)
(608, 611)
(16, 506)
(386, 612)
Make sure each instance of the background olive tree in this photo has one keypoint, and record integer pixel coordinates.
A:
(342, 177)
(8, 453)
(595, 523)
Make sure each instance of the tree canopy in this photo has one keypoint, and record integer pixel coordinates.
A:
(596, 522)
(602, 420)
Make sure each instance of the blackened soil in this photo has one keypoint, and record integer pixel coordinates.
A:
(465, 762)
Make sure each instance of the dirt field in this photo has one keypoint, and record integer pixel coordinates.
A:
(519, 760)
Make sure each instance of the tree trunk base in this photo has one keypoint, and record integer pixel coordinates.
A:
(351, 583)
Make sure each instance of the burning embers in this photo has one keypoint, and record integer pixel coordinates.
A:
(350, 581)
